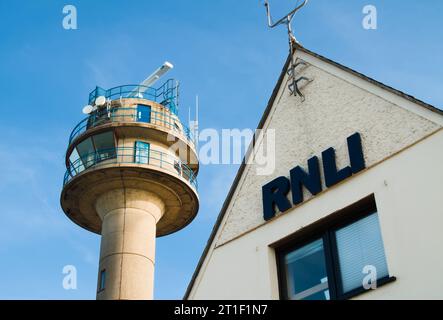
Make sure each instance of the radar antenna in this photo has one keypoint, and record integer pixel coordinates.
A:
(149, 81)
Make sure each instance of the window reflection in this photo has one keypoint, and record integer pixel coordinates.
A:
(306, 273)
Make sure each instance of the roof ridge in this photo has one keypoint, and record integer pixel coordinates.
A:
(371, 80)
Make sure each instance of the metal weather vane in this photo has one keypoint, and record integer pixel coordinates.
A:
(287, 20)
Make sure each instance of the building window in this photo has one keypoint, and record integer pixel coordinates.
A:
(76, 165)
(178, 166)
(339, 262)
(142, 152)
(93, 150)
(102, 280)
(105, 146)
(86, 151)
(306, 272)
(358, 245)
(98, 117)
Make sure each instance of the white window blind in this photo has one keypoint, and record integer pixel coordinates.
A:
(360, 244)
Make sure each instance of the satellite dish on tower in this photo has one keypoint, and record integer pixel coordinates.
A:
(100, 101)
(88, 109)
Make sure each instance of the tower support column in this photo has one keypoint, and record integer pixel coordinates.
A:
(127, 251)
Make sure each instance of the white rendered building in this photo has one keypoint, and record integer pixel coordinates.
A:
(354, 201)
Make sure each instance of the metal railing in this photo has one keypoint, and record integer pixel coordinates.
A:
(160, 118)
(166, 95)
(133, 155)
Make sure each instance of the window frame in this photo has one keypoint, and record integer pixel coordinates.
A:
(112, 151)
(325, 229)
(102, 281)
(137, 150)
(299, 246)
(178, 166)
(84, 157)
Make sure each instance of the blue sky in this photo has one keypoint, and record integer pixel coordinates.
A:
(222, 51)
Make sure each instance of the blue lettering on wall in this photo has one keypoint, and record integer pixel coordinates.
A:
(275, 193)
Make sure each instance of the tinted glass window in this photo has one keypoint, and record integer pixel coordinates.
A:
(86, 152)
(105, 145)
(142, 152)
(306, 273)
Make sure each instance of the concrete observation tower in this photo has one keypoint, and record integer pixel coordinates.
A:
(131, 177)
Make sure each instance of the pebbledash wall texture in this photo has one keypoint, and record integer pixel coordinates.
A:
(403, 150)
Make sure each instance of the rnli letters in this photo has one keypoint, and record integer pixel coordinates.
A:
(275, 193)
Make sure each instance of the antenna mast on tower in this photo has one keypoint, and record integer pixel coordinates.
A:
(287, 20)
(193, 124)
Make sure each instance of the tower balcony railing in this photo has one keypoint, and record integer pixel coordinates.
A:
(166, 94)
(126, 155)
(117, 114)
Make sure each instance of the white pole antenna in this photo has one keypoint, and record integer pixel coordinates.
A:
(193, 125)
(196, 108)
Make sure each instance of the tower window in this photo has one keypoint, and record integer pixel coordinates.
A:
(105, 146)
(142, 152)
(178, 166)
(93, 150)
(102, 280)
